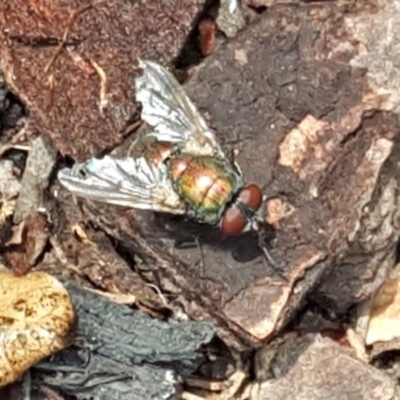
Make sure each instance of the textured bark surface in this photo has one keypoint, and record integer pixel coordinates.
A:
(72, 63)
(312, 377)
(312, 133)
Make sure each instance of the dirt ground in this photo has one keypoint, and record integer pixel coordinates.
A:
(306, 94)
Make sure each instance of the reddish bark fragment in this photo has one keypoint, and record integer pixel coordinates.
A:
(81, 115)
(207, 32)
(28, 241)
(311, 135)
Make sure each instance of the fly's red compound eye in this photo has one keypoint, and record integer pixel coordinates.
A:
(233, 221)
(251, 196)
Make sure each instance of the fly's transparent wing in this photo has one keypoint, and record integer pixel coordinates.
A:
(129, 182)
(174, 118)
(233, 5)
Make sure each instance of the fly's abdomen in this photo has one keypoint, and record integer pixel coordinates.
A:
(206, 184)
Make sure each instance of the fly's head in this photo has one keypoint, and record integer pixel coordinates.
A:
(240, 215)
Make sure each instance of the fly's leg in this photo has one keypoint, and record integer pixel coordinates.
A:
(191, 244)
(200, 247)
(264, 248)
(132, 146)
(257, 225)
(234, 155)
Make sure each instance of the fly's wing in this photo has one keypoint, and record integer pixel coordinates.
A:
(129, 182)
(174, 118)
(233, 5)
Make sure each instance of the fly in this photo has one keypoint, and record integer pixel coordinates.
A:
(183, 170)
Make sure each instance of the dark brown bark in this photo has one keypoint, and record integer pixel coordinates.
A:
(73, 65)
(315, 137)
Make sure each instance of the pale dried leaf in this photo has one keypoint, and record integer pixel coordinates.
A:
(17, 234)
(385, 313)
(9, 184)
(7, 209)
(81, 234)
(36, 314)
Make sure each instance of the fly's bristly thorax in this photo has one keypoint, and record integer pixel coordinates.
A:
(207, 184)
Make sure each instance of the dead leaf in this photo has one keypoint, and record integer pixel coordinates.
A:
(36, 314)
(28, 241)
(7, 209)
(385, 314)
(81, 234)
(17, 236)
(9, 184)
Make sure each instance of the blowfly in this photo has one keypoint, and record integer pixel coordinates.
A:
(182, 171)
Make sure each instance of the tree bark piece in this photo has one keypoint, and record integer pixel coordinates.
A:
(73, 64)
(312, 133)
(325, 370)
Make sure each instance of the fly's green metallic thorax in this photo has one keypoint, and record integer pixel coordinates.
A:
(205, 183)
